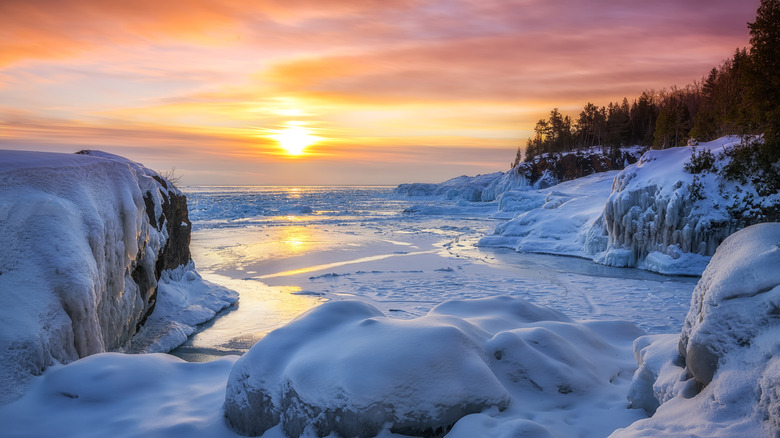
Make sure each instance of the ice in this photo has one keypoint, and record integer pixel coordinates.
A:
(346, 368)
(78, 257)
(475, 189)
(645, 218)
(417, 268)
(721, 379)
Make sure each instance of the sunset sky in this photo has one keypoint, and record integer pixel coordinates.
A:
(378, 91)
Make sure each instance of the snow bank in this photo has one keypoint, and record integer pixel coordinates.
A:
(123, 396)
(556, 220)
(346, 368)
(480, 188)
(646, 218)
(729, 346)
(85, 239)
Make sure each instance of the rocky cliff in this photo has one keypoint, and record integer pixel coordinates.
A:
(84, 241)
(550, 169)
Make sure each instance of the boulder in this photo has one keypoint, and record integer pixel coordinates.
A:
(737, 298)
(84, 239)
(344, 368)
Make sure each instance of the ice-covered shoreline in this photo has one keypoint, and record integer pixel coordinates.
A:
(93, 247)
(540, 373)
(652, 215)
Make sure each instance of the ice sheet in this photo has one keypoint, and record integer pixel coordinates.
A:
(370, 247)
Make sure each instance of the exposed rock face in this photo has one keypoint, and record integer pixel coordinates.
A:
(83, 242)
(548, 170)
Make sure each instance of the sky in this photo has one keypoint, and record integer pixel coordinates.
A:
(223, 92)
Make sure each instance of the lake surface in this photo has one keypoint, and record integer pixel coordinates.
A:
(288, 249)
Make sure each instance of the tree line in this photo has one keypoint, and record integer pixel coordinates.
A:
(739, 97)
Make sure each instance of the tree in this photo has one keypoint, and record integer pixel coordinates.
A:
(764, 86)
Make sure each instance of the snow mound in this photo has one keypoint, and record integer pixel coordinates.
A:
(123, 396)
(84, 239)
(728, 348)
(556, 220)
(480, 188)
(345, 368)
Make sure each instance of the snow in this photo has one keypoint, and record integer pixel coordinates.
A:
(556, 220)
(123, 395)
(409, 323)
(344, 367)
(185, 300)
(75, 232)
(728, 346)
(644, 218)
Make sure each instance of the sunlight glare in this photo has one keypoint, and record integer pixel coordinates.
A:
(294, 139)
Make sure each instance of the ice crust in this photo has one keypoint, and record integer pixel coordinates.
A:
(480, 188)
(644, 217)
(721, 379)
(346, 368)
(78, 257)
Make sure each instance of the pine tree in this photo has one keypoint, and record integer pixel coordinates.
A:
(764, 88)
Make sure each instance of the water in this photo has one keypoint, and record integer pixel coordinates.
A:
(287, 249)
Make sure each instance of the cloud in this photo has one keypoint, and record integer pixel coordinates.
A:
(379, 80)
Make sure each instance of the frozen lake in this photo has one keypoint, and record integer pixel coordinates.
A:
(287, 249)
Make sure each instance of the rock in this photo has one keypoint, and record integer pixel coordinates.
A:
(346, 369)
(548, 170)
(721, 377)
(737, 298)
(83, 243)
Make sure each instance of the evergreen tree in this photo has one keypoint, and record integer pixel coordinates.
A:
(764, 88)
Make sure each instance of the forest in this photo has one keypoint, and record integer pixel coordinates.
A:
(741, 97)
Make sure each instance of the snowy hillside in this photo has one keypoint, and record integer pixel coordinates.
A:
(91, 245)
(655, 215)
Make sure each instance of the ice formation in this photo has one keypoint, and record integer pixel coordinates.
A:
(647, 218)
(85, 239)
(346, 368)
(463, 187)
(721, 379)
(653, 222)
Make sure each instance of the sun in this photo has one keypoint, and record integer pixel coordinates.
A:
(294, 139)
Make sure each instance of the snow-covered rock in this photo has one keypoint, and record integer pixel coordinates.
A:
(652, 220)
(647, 218)
(728, 347)
(557, 220)
(346, 368)
(468, 188)
(737, 298)
(84, 240)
